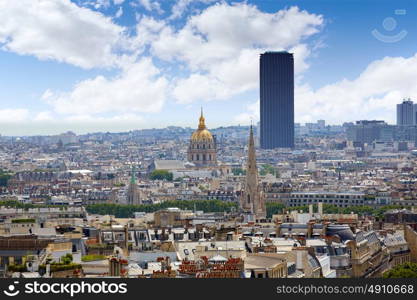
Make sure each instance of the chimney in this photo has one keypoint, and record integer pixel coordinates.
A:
(321, 209)
(126, 244)
(310, 229)
(325, 225)
(278, 229)
(328, 240)
(302, 240)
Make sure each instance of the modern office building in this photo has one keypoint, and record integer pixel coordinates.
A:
(368, 131)
(277, 100)
(406, 113)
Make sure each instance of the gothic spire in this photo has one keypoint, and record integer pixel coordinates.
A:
(251, 164)
(133, 177)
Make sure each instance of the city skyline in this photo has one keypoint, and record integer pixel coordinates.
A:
(192, 139)
(146, 58)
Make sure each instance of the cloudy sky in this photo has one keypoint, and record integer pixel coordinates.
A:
(116, 65)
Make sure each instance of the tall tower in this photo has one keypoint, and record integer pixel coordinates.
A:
(202, 150)
(133, 194)
(252, 199)
(277, 100)
(406, 113)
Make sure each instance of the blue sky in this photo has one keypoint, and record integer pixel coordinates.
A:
(114, 65)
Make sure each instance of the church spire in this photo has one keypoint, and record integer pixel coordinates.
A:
(133, 177)
(202, 123)
(251, 169)
(133, 194)
(252, 200)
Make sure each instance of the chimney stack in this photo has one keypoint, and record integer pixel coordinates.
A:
(278, 228)
(321, 209)
(126, 244)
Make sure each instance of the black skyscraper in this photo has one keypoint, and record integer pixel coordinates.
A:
(277, 100)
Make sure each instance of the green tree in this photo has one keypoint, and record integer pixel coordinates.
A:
(4, 177)
(161, 175)
(406, 270)
(66, 259)
(267, 169)
(126, 211)
(274, 208)
(238, 171)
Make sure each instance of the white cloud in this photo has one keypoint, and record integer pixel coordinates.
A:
(88, 118)
(375, 92)
(221, 46)
(97, 4)
(47, 123)
(119, 12)
(251, 114)
(181, 6)
(140, 88)
(221, 31)
(118, 2)
(13, 115)
(61, 31)
(151, 5)
(44, 116)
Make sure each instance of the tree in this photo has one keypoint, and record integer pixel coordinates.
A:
(406, 270)
(4, 177)
(274, 208)
(238, 171)
(161, 175)
(66, 259)
(267, 169)
(126, 211)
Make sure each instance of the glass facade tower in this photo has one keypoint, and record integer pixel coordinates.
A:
(277, 100)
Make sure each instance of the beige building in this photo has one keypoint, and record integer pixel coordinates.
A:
(411, 237)
(265, 266)
(398, 249)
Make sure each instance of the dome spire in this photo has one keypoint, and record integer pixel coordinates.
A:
(202, 124)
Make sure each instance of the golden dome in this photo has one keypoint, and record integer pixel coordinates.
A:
(201, 134)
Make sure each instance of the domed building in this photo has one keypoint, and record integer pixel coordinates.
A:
(202, 151)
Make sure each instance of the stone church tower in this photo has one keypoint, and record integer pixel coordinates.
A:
(252, 200)
(133, 194)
